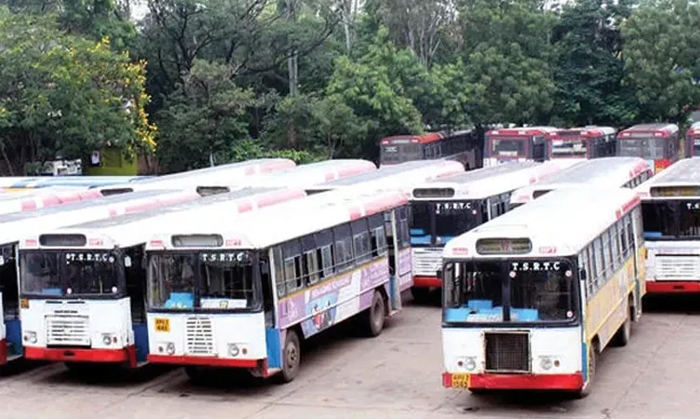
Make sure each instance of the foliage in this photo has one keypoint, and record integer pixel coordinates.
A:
(61, 95)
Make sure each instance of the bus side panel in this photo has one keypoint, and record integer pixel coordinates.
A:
(405, 269)
(273, 339)
(141, 341)
(334, 300)
(606, 310)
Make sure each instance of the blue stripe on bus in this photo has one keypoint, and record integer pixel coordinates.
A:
(274, 349)
(653, 234)
(421, 240)
(141, 341)
(584, 363)
(13, 330)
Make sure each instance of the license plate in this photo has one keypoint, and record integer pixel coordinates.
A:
(460, 380)
(163, 324)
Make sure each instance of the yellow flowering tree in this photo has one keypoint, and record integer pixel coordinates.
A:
(62, 95)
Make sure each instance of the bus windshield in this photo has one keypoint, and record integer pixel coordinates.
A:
(217, 280)
(436, 222)
(522, 291)
(569, 148)
(671, 219)
(70, 273)
(695, 144)
(646, 148)
(508, 147)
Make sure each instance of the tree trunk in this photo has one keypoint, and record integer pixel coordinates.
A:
(292, 136)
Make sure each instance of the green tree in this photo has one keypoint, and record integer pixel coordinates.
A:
(204, 120)
(661, 53)
(62, 95)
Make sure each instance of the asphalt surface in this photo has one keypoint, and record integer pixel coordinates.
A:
(396, 375)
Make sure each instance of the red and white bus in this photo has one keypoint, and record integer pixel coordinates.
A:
(692, 140)
(581, 143)
(515, 144)
(658, 143)
(462, 146)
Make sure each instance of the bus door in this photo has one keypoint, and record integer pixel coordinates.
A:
(538, 148)
(9, 304)
(398, 241)
(135, 277)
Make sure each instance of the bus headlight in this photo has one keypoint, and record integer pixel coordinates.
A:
(469, 363)
(545, 362)
(108, 339)
(30, 337)
(170, 348)
(233, 350)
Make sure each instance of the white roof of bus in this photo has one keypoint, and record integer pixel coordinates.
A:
(16, 226)
(562, 222)
(685, 172)
(311, 174)
(400, 176)
(44, 197)
(291, 220)
(667, 127)
(486, 182)
(227, 174)
(606, 171)
(137, 228)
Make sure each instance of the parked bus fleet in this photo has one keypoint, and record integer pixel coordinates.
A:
(543, 257)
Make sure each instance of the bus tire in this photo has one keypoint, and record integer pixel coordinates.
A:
(592, 366)
(622, 336)
(420, 294)
(374, 316)
(291, 356)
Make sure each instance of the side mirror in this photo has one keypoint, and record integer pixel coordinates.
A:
(438, 274)
(582, 274)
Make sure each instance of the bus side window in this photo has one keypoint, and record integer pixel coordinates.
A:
(343, 247)
(377, 238)
(279, 273)
(361, 241)
(324, 253)
(293, 266)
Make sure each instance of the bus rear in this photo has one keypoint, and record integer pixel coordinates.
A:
(658, 144)
(692, 140)
(515, 144)
(581, 143)
(400, 149)
(671, 209)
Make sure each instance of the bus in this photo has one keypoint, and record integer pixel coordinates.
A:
(692, 140)
(445, 208)
(462, 146)
(623, 172)
(658, 143)
(581, 143)
(400, 176)
(16, 226)
(227, 174)
(515, 144)
(318, 261)
(44, 197)
(533, 297)
(22, 183)
(671, 210)
(95, 268)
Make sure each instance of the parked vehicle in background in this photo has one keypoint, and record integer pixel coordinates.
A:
(462, 146)
(581, 143)
(692, 140)
(516, 144)
(657, 143)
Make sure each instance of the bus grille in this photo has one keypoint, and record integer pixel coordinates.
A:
(674, 267)
(507, 352)
(426, 261)
(200, 336)
(67, 330)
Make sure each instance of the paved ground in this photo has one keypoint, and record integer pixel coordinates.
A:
(395, 375)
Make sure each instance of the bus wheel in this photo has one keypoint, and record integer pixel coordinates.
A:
(291, 356)
(622, 336)
(592, 365)
(420, 294)
(374, 316)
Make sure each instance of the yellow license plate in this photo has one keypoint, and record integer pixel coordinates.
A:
(460, 380)
(163, 324)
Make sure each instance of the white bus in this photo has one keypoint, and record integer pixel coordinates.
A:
(243, 295)
(227, 174)
(16, 226)
(83, 287)
(671, 209)
(44, 197)
(623, 172)
(533, 297)
(447, 207)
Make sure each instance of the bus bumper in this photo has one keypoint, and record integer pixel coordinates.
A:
(671, 287)
(563, 382)
(204, 361)
(425, 282)
(127, 354)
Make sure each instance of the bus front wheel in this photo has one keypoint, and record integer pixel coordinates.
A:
(291, 356)
(373, 319)
(592, 365)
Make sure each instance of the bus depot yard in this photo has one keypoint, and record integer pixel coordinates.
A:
(396, 375)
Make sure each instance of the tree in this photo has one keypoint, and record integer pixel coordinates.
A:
(661, 53)
(341, 130)
(204, 120)
(62, 95)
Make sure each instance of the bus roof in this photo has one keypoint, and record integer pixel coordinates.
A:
(694, 129)
(521, 131)
(71, 180)
(18, 225)
(292, 220)
(44, 197)
(137, 228)
(485, 182)
(561, 223)
(412, 138)
(683, 173)
(606, 171)
(227, 174)
(402, 175)
(656, 129)
(587, 132)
